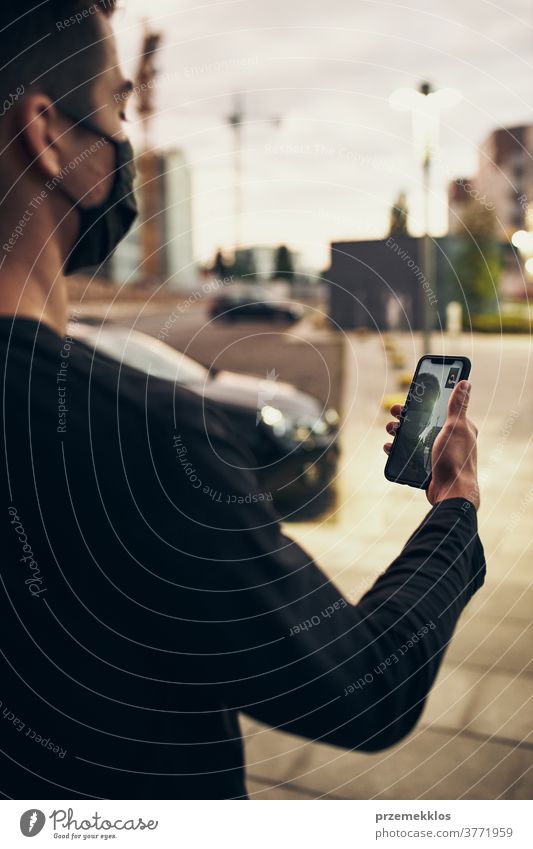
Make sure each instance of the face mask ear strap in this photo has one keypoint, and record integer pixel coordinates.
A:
(86, 123)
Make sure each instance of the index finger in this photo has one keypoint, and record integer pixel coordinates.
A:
(396, 410)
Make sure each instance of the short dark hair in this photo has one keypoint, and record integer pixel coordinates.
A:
(52, 46)
(430, 387)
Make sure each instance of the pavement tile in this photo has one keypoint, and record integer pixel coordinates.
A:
(430, 764)
(484, 703)
(260, 790)
(504, 644)
(503, 599)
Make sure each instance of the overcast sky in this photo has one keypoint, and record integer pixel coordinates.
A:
(333, 166)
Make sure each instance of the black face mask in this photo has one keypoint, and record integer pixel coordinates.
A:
(102, 227)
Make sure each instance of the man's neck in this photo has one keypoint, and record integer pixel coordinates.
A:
(33, 294)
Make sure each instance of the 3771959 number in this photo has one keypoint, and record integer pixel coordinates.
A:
(485, 831)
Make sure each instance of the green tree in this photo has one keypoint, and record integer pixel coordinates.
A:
(399, 216)
(283, 267)
(220, 267)
(478, 259)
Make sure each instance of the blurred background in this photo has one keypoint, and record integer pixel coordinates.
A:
(328, 191)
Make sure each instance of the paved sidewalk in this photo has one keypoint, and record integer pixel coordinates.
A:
(474, 740)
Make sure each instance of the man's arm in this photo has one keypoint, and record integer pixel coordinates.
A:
(279, 641)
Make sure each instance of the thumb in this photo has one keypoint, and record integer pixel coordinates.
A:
(458, 403)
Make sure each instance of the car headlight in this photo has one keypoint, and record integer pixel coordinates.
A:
(274, 419)
(299, 428)
(332, 417)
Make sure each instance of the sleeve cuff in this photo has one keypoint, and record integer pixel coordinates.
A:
(465, 511)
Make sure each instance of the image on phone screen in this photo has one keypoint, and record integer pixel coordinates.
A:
(425, 413)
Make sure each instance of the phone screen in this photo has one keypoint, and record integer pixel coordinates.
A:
(424, 415)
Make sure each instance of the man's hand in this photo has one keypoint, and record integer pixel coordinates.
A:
(454, 455)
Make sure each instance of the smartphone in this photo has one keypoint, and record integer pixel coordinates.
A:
(422, 418)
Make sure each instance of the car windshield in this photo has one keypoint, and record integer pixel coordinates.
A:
(146, 354)
(249, 293)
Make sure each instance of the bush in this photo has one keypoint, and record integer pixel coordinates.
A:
(497, 323)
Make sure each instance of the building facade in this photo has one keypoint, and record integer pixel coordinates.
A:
(160, 244)
(503, 184)
(380, 285)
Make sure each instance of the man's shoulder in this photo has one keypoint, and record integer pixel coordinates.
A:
(103, 394)
(155, 397)
(161, 403)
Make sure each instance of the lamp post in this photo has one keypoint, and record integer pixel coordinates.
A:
(425, 105)
(236, 121)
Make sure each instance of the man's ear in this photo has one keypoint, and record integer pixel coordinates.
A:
(42, 130)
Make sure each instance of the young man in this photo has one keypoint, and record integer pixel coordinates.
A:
(138, 616)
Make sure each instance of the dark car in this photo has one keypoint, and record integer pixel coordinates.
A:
(291, 435)
(228, 307)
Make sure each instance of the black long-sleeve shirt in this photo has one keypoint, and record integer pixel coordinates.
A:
(148, 594)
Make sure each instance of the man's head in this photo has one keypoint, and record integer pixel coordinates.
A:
(62, 102)
(57, 47)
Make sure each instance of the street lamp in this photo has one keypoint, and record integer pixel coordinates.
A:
(425, 106)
